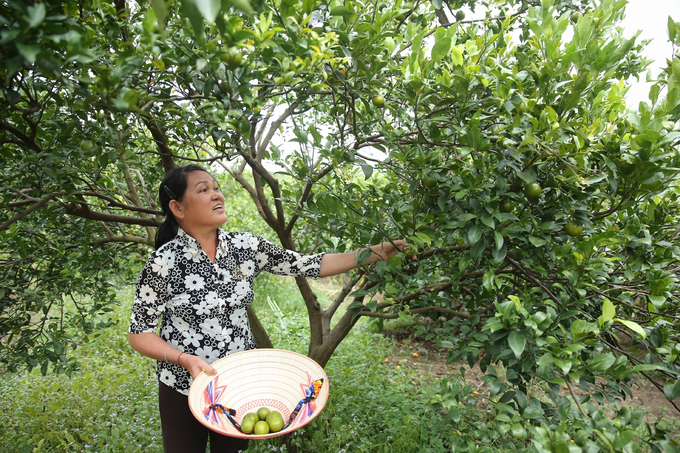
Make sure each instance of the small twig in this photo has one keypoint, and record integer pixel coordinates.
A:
(573, 395)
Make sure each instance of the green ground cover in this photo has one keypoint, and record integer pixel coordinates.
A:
(110, 404)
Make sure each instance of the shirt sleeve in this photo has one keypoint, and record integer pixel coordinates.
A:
(277, 260)
(151, 295)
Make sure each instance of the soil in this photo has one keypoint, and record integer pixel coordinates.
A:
(424, 360)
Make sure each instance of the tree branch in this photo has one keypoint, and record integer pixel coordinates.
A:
(416, 311)
(39, 204)
(161, 141)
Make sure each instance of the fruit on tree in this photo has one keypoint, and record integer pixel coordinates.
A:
(575, 16)
(573, 229)
(533, 191)
(87, 145)
(506, 206)
(378, 101)
(232, 58)
(429, 182)
(460, 14)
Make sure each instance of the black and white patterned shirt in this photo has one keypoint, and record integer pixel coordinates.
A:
(202, 305)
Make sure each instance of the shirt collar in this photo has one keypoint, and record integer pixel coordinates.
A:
(185, 239)
(222, 240)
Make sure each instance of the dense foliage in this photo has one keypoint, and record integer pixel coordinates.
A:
(543, 211)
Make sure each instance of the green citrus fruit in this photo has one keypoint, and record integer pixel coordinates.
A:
(409, 253)
(247, 426)
(573, 229)
(378, 101)
(506, 206)
(86, 145)
(533, 191)
(232, 58)
(252, 416)
(460, 15)
(272, 415)
(429, 182)
(262, 413)
(275, 423)
(261, 427)
(575, 16)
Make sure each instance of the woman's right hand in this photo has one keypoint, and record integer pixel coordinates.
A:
(195, 365)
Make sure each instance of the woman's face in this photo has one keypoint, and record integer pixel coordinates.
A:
(203, 203)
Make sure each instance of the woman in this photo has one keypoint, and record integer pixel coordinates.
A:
(198, 284)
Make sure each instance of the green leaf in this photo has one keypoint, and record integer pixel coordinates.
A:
(657, 301)
(341, 11)
(438, 5)
(161, 12)
(672, 390)
(368, 170)
(473, 234)
(209, 9)
(517, 343)
(488, 280)
(538, 242)
(242, 5)
(456, 56)
(516, 300)
(477, 249)
(608, 310)
(29, 52)
(188, 9)
(533, 412)
(441, 48)
(426, 239)
(499, 240)
(602, 362)
(642, 367)
(36, 14)
(671, 29)
(635, 327)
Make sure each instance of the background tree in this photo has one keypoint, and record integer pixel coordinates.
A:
(542, 211)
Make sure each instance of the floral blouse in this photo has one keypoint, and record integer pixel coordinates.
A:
(202, 305)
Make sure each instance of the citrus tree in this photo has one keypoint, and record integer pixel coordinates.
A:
(494, 137)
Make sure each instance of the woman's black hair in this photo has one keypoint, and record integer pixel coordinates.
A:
(173, 187)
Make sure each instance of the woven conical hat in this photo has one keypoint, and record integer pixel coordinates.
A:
(246, 381)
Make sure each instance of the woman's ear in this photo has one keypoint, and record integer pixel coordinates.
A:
(176, 208)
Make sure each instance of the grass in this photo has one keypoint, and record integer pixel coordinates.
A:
(110, 405)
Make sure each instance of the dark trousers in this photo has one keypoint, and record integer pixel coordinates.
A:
(182, 433)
